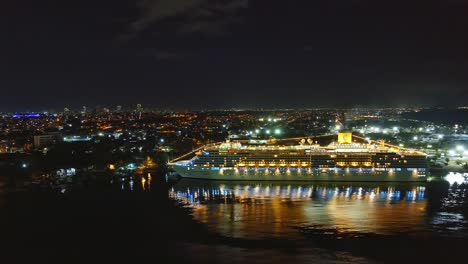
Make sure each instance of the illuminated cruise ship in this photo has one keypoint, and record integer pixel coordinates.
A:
(306, 160)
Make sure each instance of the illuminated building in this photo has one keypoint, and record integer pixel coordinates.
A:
(41, 141)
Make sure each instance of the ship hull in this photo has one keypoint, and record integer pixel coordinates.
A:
(341, 175)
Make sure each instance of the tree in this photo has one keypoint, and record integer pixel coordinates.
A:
(465, 167)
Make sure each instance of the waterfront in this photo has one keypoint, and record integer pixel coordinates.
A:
(107, 218)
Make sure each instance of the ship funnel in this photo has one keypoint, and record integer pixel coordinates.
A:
(345, 138)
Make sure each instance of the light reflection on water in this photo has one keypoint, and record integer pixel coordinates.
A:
(258, 210)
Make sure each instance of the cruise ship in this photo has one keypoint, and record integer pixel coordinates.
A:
(305, 160)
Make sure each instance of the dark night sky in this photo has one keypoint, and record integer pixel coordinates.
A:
(233, 53)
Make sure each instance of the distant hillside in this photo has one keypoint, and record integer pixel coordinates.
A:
(442, 116)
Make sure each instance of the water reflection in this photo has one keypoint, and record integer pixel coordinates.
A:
(259, 210)
(132, 182)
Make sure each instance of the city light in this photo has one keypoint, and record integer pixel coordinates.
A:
(455, 178)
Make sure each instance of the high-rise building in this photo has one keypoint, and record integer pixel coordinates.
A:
(139, 109)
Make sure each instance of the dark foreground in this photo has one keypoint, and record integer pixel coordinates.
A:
(97, 222)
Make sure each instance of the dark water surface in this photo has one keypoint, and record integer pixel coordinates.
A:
(265, 210)
(104, 219)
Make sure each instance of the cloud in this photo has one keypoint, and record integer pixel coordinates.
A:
(194, 15)
(156, 10)
(165, 55)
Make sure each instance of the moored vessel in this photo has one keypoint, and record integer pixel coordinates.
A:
(306, 160)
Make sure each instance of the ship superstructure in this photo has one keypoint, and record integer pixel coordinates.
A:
(343, 160)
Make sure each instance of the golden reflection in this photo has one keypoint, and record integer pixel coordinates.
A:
(143, 183)
(149, 181)
(274, 209)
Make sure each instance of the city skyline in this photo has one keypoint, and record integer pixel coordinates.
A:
(234, 131)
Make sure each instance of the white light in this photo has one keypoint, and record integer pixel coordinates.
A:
(465, 153)
(460, 148)
(415, 138)
(162, 140)
(377, 129)
(257, 131)
(337, 127)
(440, 136)
(420, 129)
(455, 178)
(395, 128)
(451, 152)
(24, 165)
(269, 119)
(368, 138)
(401, 145)
(277, 131)
(267, 131)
